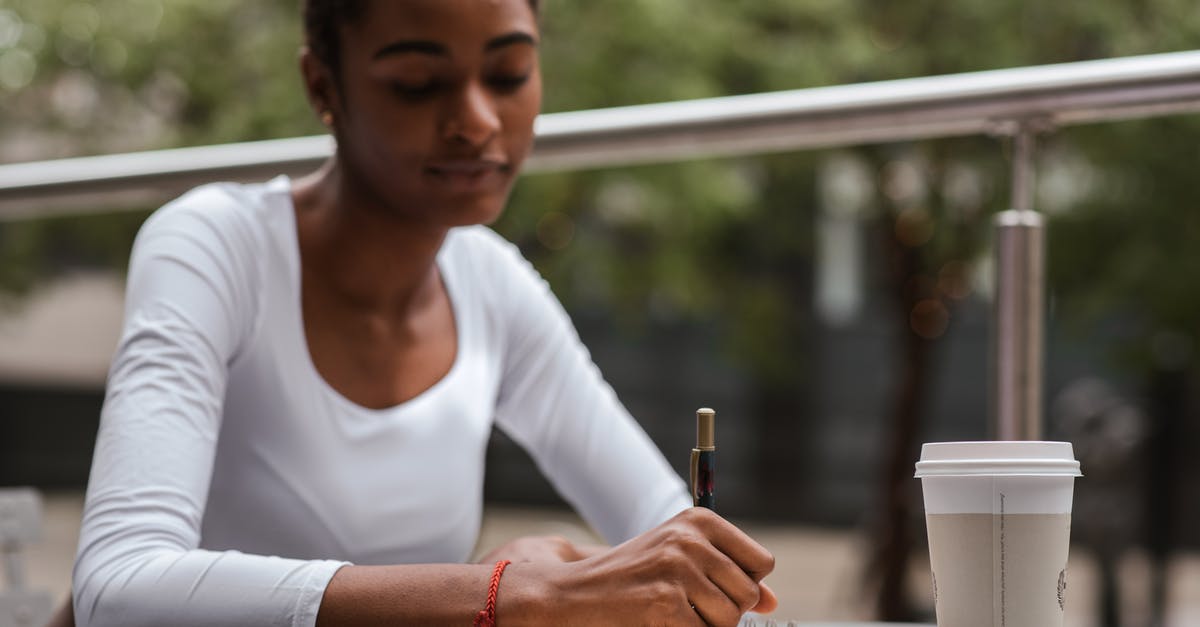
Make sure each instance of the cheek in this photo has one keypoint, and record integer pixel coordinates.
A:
(390, 138)
(519, 118)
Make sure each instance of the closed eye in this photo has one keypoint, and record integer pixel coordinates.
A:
(416, 91)
(508, 82)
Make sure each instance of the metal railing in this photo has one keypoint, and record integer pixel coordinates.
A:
(1019, 102)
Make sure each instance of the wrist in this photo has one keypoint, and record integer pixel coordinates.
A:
(528, 595)
(487, 616)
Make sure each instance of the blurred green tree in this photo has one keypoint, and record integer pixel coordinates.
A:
(723, 242)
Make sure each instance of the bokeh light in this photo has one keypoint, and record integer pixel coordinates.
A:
(929, 319)
(914, 227)
(17, 68)
(555, 230)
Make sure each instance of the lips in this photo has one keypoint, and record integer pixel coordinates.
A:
(467, 174)
(466, 167)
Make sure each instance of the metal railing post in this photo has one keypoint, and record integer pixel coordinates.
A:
(1019, 309)
(20, 526)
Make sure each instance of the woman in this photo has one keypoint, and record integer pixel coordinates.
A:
(296, 417)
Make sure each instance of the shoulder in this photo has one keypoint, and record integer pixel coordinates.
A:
(201, 261)
(481, 242)
(210, 243)
(216, 229)
(226, 212)
(507, 286)
(510, 289)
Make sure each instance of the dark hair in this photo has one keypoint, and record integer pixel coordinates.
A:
(323, 20)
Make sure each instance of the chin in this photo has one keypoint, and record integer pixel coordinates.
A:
(468, 212)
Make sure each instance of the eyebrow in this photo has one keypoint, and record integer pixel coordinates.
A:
(421, 46)
(510, 39)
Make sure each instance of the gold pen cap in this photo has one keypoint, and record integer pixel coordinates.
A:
(706, 427)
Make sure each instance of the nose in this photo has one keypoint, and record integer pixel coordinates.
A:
(472, 118)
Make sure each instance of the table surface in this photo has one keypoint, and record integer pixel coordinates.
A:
(760, 621)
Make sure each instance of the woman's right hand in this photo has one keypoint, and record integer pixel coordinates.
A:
(694, 569)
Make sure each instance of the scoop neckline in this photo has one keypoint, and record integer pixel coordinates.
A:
(282, 185)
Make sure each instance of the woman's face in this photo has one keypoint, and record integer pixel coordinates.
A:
(438, 99)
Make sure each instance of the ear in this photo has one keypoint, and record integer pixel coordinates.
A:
(319, 84)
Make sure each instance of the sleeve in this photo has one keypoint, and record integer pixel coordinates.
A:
(190, 303)
(555, 403)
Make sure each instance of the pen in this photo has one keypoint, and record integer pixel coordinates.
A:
(704, 459)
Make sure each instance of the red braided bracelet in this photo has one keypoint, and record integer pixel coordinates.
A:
(487, 616)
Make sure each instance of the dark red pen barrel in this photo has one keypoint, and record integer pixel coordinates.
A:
(703, 493)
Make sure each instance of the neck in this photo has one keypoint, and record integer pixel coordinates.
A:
(358, 251)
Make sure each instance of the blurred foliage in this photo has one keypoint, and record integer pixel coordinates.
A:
(701, 240)
(34, 249)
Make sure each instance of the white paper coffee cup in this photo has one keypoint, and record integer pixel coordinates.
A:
(999, 517)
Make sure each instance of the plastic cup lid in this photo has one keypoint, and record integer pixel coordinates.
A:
(1010, 458)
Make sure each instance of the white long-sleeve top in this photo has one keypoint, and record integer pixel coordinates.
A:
(230, 481)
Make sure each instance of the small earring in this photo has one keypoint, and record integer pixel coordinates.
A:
(327, 117)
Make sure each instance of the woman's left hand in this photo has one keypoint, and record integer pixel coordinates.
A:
(541, 549)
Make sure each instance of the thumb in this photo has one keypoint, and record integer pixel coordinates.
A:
(767, 601)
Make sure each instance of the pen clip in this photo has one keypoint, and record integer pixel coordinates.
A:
(694, 467)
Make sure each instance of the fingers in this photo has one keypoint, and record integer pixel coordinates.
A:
(696, 569)
(734, 565)
(717, 607)
(735, 585)
(726, 565)
(713, 604)
(561, 548)
(767, 601)
(754, 559)
(584, 551)
(537, 549)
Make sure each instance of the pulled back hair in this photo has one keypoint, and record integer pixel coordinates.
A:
(323, 20)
